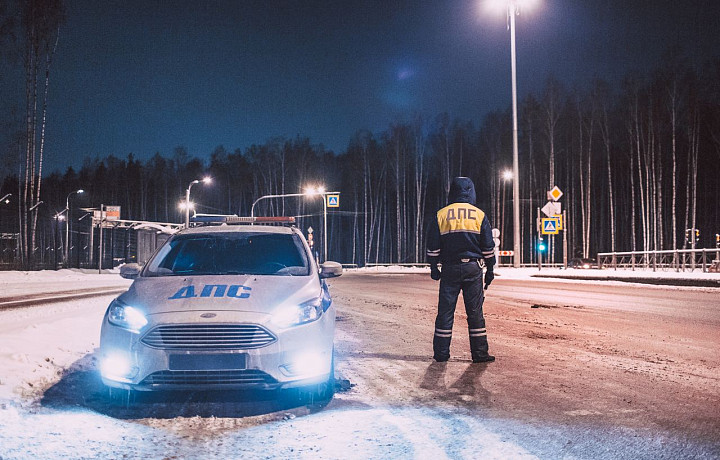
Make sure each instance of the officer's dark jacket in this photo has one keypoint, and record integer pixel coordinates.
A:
(460, 230)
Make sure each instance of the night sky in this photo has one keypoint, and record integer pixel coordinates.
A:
(147, 76)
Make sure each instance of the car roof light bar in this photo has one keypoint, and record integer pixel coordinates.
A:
(234, 219)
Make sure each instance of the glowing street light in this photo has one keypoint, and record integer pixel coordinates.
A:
(512, 8)
(188, 204)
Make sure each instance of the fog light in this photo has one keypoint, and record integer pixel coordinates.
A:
(307, 365)
(117, 366)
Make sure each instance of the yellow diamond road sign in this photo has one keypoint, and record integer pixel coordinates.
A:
(555, 193)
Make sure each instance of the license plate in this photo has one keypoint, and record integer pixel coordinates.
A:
(214, 362)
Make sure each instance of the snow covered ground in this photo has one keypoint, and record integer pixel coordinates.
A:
(526, 272)
(598, 389)
(656, 277)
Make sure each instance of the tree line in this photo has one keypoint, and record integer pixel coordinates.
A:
(638, 165)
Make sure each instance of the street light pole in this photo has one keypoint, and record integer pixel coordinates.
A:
(66, 254)
(252, 208)
(512, 11)
(325, 251)
(206, 180)
(187, 203)
(320, 191)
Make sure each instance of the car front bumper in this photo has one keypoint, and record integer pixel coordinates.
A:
(294, 357)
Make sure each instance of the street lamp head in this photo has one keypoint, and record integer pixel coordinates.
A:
(60, 217)
(80, 191)
(507, 175)
(314, 190)
(207, 180)
(36, 205)
(504, 5)
(183, 206)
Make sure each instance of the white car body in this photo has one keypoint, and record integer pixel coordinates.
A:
(200, 331)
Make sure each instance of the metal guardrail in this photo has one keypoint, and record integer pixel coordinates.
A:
(399, 264)
(706, 260)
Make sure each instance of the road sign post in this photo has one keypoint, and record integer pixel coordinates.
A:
(565, 242)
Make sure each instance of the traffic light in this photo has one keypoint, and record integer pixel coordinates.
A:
(717, 240)
(541, 245)
(689, 235)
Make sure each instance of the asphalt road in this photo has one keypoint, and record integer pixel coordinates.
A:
(584, 370)
(587, 370)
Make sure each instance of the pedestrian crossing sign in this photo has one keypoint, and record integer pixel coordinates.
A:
(550, 226)
(333, 201)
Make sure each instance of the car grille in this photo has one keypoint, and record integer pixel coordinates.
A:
(209, 336)
(243, 377)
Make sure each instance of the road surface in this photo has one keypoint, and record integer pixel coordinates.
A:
(583, 370)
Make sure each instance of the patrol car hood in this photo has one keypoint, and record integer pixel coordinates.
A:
(251, 293)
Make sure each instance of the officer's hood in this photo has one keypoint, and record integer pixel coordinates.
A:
(462, 190)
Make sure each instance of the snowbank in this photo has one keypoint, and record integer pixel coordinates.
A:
(14, 283)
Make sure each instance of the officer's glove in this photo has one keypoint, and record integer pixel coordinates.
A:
(434, 272)
(489, 277)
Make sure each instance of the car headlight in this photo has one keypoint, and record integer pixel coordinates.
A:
(126, 317)
(294, 315)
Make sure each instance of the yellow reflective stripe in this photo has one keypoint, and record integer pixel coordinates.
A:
(460, 217)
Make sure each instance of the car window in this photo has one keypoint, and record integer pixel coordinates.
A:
(231, 254)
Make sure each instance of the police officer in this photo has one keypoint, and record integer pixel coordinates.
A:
(459, 237)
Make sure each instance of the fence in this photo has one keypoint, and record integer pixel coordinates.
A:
(122, 242)
(670, 260)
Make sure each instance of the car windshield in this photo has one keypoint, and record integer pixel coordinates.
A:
(231, 254)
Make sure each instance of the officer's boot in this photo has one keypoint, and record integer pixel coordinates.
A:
(479, 346)
(441, 345)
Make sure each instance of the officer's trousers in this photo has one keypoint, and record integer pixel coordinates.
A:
(467, 277)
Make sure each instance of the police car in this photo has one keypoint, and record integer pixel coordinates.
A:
(223, 307)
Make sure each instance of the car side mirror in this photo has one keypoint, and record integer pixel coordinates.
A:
(330, 270)
(130, 271)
